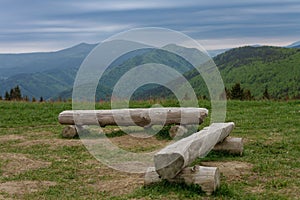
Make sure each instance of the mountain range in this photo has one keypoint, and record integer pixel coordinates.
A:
(42, 74)
(294, 45)
(51, 75)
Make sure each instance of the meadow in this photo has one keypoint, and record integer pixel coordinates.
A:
(37, 163)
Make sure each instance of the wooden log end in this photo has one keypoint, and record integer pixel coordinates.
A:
(208, 178)
(69, 132)
(231, 145)
(151, 177)
(168, 165)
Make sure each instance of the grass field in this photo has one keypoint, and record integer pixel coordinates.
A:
(36, 163)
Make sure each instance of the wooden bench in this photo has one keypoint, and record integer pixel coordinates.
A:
(171, 163)
(143, 117)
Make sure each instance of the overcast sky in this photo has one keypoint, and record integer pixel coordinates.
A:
(48, 25)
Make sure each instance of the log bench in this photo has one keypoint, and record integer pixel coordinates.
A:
(143, 117)
(172, 162)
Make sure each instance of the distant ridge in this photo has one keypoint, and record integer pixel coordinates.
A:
(12, 64)
(52, 74)
(294, 45)
(42, 74)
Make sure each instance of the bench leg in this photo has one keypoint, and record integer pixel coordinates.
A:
(208, 178)
(177, 131)
(230, 145)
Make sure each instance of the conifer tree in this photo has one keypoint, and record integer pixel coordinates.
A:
(26, 98)
(12, 94)
(228, 93)
(266, 93)
(237, 92)
(17, 92)
(7, 96)
(248, 95)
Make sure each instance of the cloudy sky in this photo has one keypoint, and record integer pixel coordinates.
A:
(49, 25)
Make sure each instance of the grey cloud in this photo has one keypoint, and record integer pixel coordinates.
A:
(73, 21)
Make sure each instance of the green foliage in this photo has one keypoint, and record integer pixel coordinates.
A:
(259, 67)
(256, 68)
(266, 93)
(7, 96)
(163, 134)
(15, 94)
(237, 92)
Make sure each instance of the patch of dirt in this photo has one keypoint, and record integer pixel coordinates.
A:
(40, 134)
(138, 142)
(256, 189)
(292, 192)
(123, 185)
(52, 142)
(7, 138)
(273, 138)
(14, 163)
(2, 197)
(23, 187)
(105, 179)
(233, 170)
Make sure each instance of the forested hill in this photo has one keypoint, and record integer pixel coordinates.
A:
(276, 69)
(257, 68)
(42, 74)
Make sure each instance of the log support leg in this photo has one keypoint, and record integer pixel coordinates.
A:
(71, 131)
(230, 145)
(208, 178)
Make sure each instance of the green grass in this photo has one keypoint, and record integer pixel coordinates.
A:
(272, 146)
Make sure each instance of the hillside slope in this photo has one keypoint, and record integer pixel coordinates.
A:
(26, 63)
(114, 72)
(42, 74)
(256, 68)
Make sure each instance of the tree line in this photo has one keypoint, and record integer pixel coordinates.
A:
(15, 94)
(238, 93)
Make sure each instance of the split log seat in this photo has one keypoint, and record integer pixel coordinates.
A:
(143, 117)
